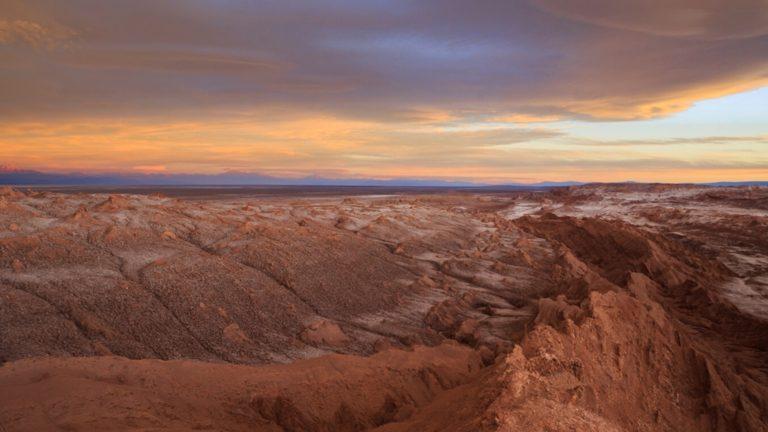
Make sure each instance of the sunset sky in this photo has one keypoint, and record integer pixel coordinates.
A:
(488, 91)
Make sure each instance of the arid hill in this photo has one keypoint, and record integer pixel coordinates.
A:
(594, 308)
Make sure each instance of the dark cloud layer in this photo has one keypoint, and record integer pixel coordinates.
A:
(377, 60)
(692, 19)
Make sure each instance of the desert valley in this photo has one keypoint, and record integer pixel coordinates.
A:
(613, 307)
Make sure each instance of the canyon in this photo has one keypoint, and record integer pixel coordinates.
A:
(602, 307)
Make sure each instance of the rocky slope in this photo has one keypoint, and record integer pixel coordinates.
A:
(629, 307)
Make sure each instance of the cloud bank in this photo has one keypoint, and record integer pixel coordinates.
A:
(381, 60)
(447, 88)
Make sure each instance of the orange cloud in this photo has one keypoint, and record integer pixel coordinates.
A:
(33, 34)
(664, 105)
(525, 118)
(313, 145)
(150, 168)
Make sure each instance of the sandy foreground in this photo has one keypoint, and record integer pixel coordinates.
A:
(593, 308)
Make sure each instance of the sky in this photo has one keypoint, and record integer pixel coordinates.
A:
(484, 90)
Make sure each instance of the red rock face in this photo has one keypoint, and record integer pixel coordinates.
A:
(630, 308)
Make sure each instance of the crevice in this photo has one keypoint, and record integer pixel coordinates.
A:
(274, 278)
(64, 314)
(189, 331)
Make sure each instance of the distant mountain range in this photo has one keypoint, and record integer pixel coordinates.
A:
(742, 183)
(20, 177)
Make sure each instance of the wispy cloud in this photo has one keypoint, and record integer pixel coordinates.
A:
(307, 145)
(33, 34)
(705, 140)
(688, 19)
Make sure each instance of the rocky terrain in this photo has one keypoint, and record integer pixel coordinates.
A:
(592, 308)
